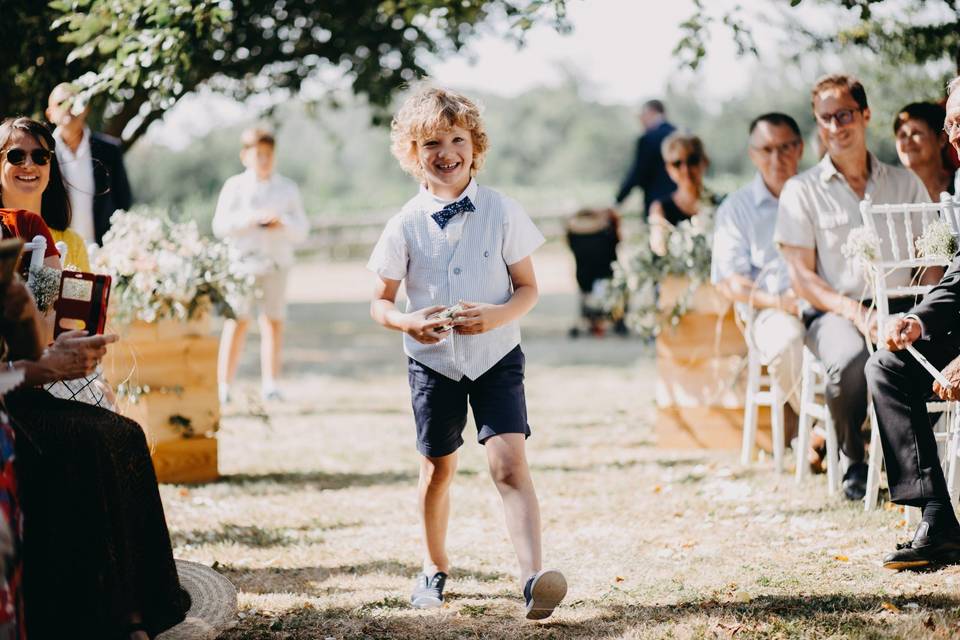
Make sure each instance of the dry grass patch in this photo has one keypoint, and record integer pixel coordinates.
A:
(315, 517)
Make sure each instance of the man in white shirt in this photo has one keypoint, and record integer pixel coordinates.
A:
(260, 215)
(92, 166)
(818, 209)
(747, 267)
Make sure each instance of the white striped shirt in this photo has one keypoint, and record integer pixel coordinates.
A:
(466, 260)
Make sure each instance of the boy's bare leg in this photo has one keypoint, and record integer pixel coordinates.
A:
(231, 346)
(507, 458)
(436, 474)
(271, 343)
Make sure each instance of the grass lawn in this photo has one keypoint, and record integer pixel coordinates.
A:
(315, 517)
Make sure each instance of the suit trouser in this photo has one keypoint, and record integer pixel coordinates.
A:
(841, 348)
(901, 389)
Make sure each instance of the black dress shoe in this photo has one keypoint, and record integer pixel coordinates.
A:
(855, 481)
(925, 550)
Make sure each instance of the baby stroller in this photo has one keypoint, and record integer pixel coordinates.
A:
(593, 235)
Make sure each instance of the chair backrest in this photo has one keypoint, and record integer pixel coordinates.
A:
(38, 249)
(64, 251)
(898, 226)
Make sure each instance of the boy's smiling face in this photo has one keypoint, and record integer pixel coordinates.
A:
(446, 159)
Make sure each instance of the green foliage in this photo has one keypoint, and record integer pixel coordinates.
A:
(551, 148)
(542, 142)
(914, 32)
(141, 56)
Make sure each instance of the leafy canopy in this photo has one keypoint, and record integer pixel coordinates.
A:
(135, 58)
(899, 31)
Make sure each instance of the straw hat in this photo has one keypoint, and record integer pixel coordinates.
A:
(213, 603)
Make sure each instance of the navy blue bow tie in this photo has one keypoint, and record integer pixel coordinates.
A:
(446, 214)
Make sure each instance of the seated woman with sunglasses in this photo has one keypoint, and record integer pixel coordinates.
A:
(30, 148)
(97, 554)
(686, 163)
(24, 163)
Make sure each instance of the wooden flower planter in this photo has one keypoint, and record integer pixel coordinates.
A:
(701, 373)
(168, 371)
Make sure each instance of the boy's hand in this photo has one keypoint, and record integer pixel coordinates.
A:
(423, 330)
(477, 317)
(270, 219)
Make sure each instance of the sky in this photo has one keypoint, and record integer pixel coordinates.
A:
(621, 48)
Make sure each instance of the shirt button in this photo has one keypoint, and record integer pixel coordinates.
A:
(456, 271)
(486, 254)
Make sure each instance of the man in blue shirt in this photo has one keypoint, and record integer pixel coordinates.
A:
(648, 171)
(747, 267)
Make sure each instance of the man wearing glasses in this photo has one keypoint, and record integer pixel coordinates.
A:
(818, 209)
(747, 267)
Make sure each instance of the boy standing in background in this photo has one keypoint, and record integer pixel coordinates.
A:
(260, 215)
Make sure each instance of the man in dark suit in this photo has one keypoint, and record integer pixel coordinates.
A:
(648, 171)
(901, 387)
(92, 165)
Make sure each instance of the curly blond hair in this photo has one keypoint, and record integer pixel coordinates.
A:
(427, 112)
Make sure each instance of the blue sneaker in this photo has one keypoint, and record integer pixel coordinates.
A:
(543, 592)
(428, 592)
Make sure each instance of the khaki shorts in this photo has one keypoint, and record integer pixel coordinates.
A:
(269, 295)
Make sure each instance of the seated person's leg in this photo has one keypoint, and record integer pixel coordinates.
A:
(900, 388)
(779, 337)
(841, 348)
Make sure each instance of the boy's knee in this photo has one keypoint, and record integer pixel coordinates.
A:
(438, 473)
(508, 473)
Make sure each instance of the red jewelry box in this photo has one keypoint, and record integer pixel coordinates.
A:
(82, 303)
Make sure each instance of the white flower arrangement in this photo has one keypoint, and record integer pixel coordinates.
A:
(166, 269)
(632, 292)
(937, 241)
(45, 286)
(862, 246)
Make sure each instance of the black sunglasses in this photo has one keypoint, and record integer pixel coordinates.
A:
(18, 156)
(692, 160)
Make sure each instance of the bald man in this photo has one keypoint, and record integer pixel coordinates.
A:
(92, 165)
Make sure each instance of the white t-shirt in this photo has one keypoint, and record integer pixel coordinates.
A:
(818, 209)
(244, 201)
(467, 260)
(77, 169)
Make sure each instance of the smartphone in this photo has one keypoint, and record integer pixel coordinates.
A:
(83, 301)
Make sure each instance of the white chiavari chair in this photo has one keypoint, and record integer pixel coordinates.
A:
(761, 392)
(37, 248)
(813, 409)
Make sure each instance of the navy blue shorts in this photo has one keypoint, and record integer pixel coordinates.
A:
(440, 404)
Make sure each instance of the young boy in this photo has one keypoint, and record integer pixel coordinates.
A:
(260, 214)
(458, 243)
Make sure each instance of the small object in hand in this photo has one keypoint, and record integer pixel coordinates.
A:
(932, 370)
(447, 313)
